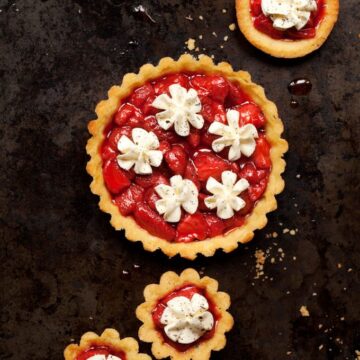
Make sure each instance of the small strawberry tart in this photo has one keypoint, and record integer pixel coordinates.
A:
(108, 346)
(184, 317)
(187, 156)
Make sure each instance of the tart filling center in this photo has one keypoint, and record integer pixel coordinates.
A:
(186, 156)
(101, 353)
(287, 19)
(185, 317)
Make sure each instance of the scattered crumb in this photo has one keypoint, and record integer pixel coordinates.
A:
(197, 49)
(294, 258)
(260, 261)
(289, 353)
(321, 347)
(357, 353)
(224, 11)
(314, 294)
(320, 326)
(272, 260)
(201, 17)
(304, 311)
(189, 17)
(292, 232)
(221, 46)
(214, 33)
(350, 270)
(285, 231)
(190, 43)
(298, 176)
(275, 234)
(339, 266)
(200, 37)
(342, 318)
(226, 38)
(212, 56)
(232, 27)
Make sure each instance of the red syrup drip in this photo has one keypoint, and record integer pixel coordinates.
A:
(188, 291)
(265, 25)
(194, 158)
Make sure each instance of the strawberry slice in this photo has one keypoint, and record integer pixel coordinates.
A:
(234, 222)
(194, 138)
(249, 204)
(208, 164)
(192, 227)
(151, 197)
(128, 114)
(164, 146)
(256, 191)
(117, 133)
(255, 7)
(216, 225)
(141, 94)
(153, 222)
(162, 86)
(115, 178)
(128, 200)
(251, 173)
(191, 174)
(301, 34)
(265, 25)
(235, 96)
(261, 155)
(177, 159)
(212, 110)
(214, 86)
(151, 124)
(107, 152)
(250, 113)
(154, 179)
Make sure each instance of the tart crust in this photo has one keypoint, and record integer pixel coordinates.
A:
(286, 48)
(109, 337)
(168, 282)
(273, 127)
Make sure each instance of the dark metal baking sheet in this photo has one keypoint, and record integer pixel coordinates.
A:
(66, 271)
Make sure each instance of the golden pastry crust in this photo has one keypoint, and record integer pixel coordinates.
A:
(155, 292)
(274, 128)
(109, 337)
(286, 48)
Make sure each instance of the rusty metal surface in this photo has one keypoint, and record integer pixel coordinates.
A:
(66, 271)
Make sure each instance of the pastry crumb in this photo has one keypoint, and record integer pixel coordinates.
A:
(289, 353)
(224, 11)
(232, 27)
(275, 234)
(201, 17)
(226, 38)
(298, 176)
(200, 37)
(260, 261)
(357, 353)
(339, 265)
(292, 232)
(189, 17)
(214, 33)
(304, 311)
(321, 347)
(190, 43)
(285, 231)
(342, 318)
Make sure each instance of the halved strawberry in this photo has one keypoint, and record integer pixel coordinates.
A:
(214, 86)
(151, 197)
(107, 152)
(255, 191)
(177, 159)
(151, 124)
(141, 94)
(209, 164)
(164, 146)
(194, 138)
(255, 7)
(207, 138)
(216, 225)
(191, 174)
(261, 155)
(192, 227)
(265, 25)
(212, 110)
(117, 133)
(301, 34)
(249, 204)
(128, 200)
(234, 222)
(128, 114)
(154, 179)
(162, 86)
(153, 222)
(250, 113)
(115, 178)
(235, 96)
(251, 173)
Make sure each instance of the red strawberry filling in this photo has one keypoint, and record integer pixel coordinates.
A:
(265, 24)
(191, 157)
(100, 350)
(188, 291)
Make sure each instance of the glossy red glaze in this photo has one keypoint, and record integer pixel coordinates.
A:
(100, 350)
(265, 24)
(188, 291)
(191, 156)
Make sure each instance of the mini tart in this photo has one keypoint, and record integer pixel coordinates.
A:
(285, 48)
(108, 343)
(170, 282)
(273, 128)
